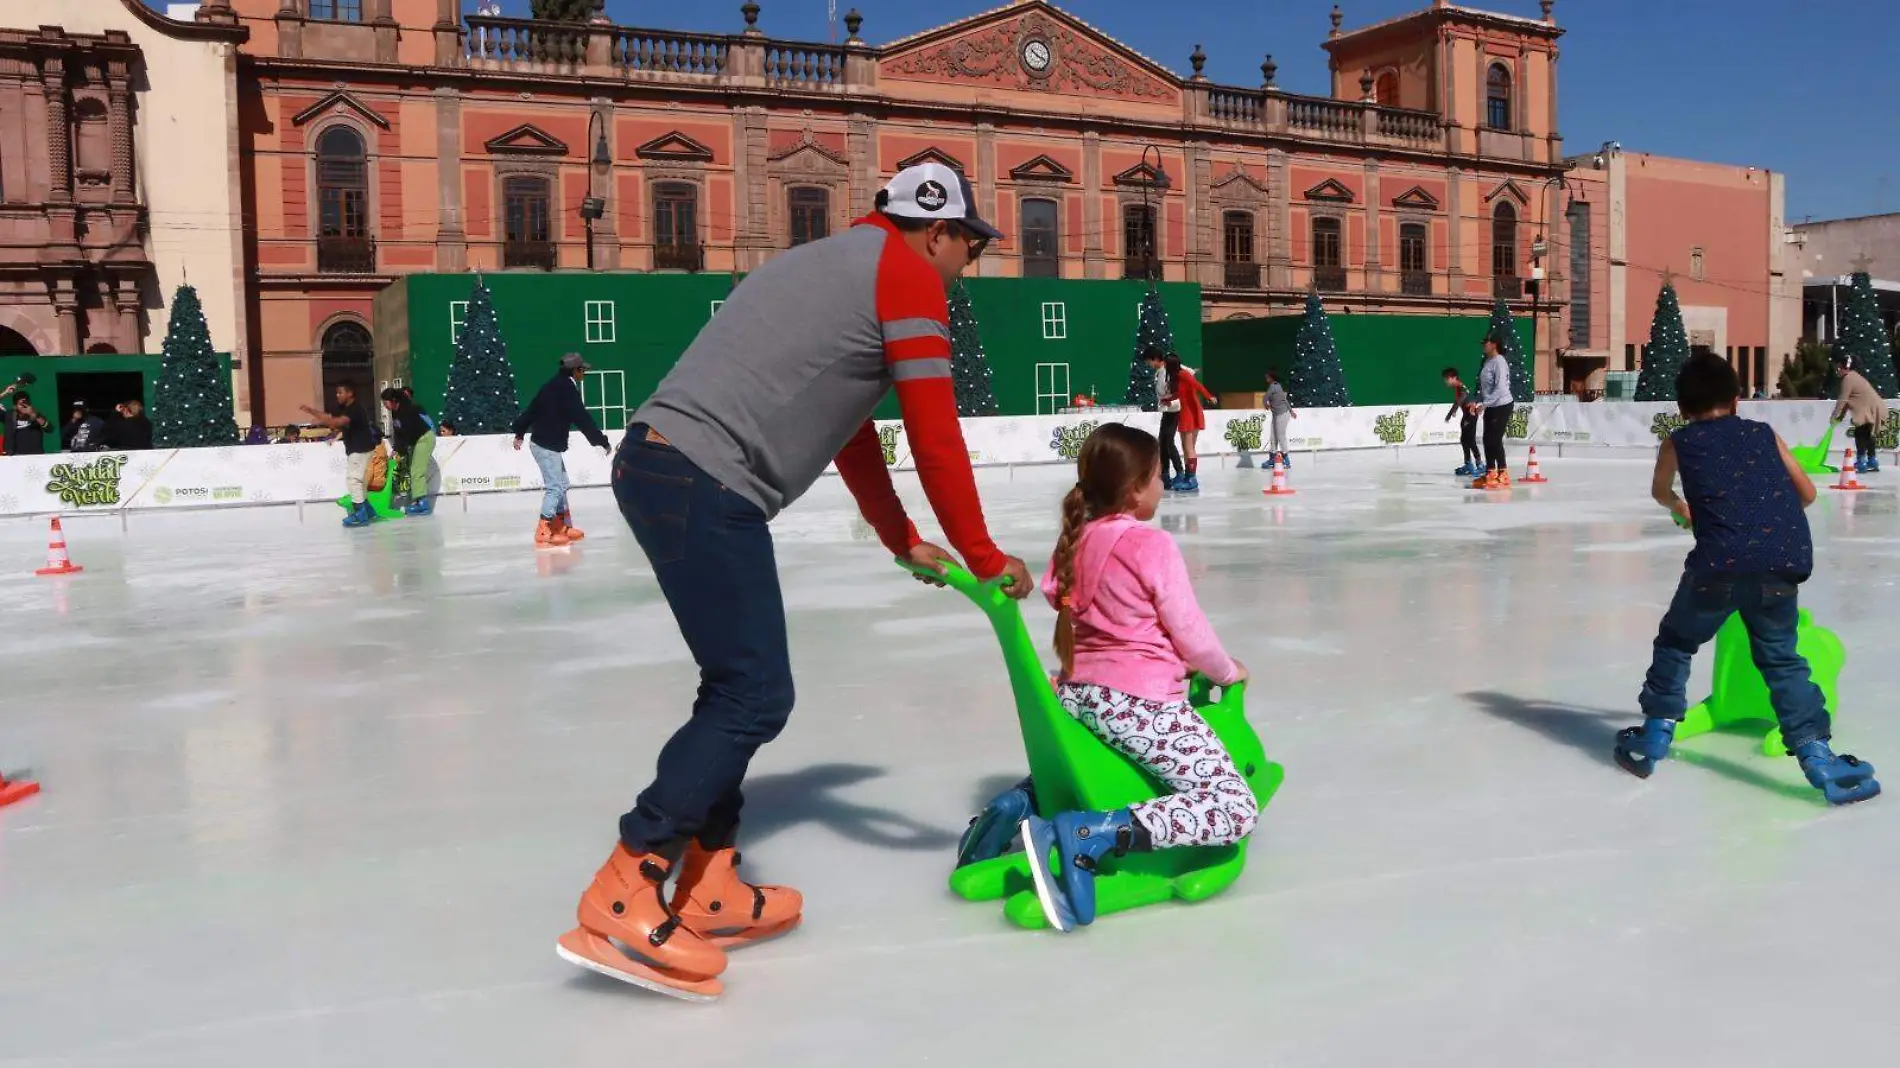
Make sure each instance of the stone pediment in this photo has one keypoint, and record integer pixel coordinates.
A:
(339, 100)
(1238, 185)
(932, 155)
(1031, 47)
(1508, 188)
(526, 140)
(1330, 191)
(1416, 198)
(808, 153)
(1042, 169)
(675, 147)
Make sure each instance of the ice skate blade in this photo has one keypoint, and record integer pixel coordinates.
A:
(596, 954)
(1865, 790)
(1642, 769)
(769, 934)
(1044, 880)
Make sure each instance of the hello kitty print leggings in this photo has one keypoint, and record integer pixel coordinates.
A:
(1211, 804)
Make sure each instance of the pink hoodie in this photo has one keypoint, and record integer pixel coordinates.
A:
(1138, 628)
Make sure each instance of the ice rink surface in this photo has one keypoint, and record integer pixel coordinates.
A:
(323, 797)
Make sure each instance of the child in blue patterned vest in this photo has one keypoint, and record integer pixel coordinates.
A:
(1745, 496)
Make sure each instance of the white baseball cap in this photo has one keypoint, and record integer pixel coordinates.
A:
(935, 191)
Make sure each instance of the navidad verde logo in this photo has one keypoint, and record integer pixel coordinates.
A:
(1520, 425)
(887, 438)
(1888, 436)
(1391, 428)
(88, 484)
(1067, 441)
(1244, 434)
(1666, 423)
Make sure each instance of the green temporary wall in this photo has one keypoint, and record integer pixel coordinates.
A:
(1043, 337)
(102, 381)
(1388, 359)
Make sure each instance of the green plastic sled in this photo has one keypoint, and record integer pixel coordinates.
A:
(1813, 458)
(1073, 770)
(1740, 695)
(382, 501)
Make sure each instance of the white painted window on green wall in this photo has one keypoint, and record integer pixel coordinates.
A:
(600, 322)
(1055, 321)
(1052, 388)
(458, 318)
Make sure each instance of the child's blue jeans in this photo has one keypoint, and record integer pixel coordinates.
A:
(1768, 607)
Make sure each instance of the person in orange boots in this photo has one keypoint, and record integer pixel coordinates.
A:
(1494, 393)
(782, 381)
(547, 419)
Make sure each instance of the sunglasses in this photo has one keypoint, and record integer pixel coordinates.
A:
(976, 242)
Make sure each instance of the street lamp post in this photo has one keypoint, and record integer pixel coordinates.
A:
(1151, 263)
(593, 206)
(1538, 248)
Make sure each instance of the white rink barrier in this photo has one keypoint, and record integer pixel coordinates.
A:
(311, 473)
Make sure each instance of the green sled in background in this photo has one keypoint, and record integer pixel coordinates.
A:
(1813, 458)
(383, 501)
(1073, 770)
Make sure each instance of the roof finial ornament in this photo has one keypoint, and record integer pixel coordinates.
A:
(750, 9)
(1338, 17)
(853, 22)
(1546, 5)
(1863, 263)
(1268, 71)
(1365, 86)
(1199, 59)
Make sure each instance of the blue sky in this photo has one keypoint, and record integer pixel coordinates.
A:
(1762, 82)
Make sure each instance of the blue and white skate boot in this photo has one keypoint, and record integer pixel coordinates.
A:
(360, 516)
(425, 506)
(1464, 471)
(1080, 840)
(1873, 463)
(1842, 778)
(992, 830)
(1286, 460)
(1188, 484)
(1639, 749)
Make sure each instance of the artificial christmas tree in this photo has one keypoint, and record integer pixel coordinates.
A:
(1863, 337)
(1504, 328)
(191, 402)
(1316, 380)
(1151, 333)
(969, 369)
(1667, 351)
(480, 397)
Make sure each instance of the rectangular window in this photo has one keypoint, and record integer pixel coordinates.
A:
(337, 10)
(1580, 309)
(1052, 388)
(1139, 255)
(1629, 358)
(458, 318)
(713, 309)
(1762, 381)
(676, 226)
(1237, 236)
(600, 322)
(605, 395)
(1041, 255)
(1055, 321)
(1326, 243)
(810, 210)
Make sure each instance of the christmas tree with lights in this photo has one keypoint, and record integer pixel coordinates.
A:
(480, 397)
(969, 368)
(1667, 351)
(1316, 380)
(191, 402)
(1151, 334)
(1863, 337)
(1504, 329)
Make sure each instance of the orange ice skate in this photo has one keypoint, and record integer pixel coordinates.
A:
(566, 523)
(627, 932)
(548, 535)
(726, 910)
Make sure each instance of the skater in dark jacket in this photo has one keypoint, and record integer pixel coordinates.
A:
(1465, 406)
(413, 439)
(1753, 549)
(546, 421)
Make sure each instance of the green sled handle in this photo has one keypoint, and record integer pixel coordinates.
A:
(1074, 770)
(1739, 697)
(1813, 458)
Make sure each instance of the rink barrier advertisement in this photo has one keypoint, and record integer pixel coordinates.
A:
(78, 483)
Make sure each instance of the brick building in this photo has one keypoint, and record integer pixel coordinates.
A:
(382, 137)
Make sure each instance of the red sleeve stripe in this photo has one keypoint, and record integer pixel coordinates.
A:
(907, 329)
(922, 367)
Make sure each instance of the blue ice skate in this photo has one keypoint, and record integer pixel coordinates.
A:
(425, 506)
(1286, 460)
(1639, 749)
(1081, 840)
(1467, 471)
(1188, 484)
(992, 830)
(360, 516)
(1842, 778)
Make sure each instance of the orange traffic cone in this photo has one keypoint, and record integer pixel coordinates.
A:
(1849, 480)
(16, 790)
(1531, 473)
(1278, 488)
(57, 562)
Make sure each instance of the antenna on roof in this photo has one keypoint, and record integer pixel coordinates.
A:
(831, 18)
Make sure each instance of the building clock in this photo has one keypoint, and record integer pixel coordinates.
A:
(1037, 58)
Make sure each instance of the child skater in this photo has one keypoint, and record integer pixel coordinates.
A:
(1280, 406)
(1752, 551)
(1189, 391)
(1172, 469)
(1463, 405)
(1129, 632)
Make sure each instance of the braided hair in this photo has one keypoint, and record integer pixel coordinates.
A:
(1116, 462)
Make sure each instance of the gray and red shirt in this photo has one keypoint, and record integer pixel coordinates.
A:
(784, 379)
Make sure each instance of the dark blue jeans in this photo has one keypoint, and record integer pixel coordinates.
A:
(711, 551)
(1769, 609)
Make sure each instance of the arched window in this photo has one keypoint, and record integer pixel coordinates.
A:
(343, 203)
(1497, 97)
(1504, 251)
(527, 240)
(1140, 258)
(1042, 252)
(810, 209)
(1329, 264)
(1415, 271)
(1385, 91)
(14, 343)
(347, 355)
